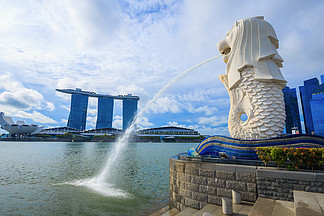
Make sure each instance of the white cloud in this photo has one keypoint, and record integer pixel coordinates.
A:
(175, 124)
(92, 112)
(165, 104)
(117, 124)
(143, 122)
(73, 83)
(213, 121)
(9, 83)
(209, 130)
(204, 109)
(92, 119)
(213, 131)
(93, 20)
(17, 96)
(130, 89)
(204, 94)
(16, 100)
(49, 106)
(117, 117)
(35, 116)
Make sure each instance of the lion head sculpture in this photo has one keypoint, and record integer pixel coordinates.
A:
(252, 42)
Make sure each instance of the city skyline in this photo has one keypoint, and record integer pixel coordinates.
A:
(129, 47)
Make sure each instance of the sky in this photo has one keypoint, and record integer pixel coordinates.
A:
(136, 47)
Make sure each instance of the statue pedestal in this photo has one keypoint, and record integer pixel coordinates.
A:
(245, 149)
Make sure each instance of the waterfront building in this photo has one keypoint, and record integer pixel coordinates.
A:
(129, 112)
(168, 131)
(168, 134)
(105, 112)
(78, 111)
(306, 96)
(292, 112)
(92, 132)
(79, 105)
(317, 108)
(59, 131)
(19, 128)
(102, 131)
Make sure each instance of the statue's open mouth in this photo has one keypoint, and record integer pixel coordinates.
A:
(226, 51)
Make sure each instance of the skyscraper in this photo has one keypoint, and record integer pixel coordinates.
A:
(317, 108)
(129, 112)
(306, 96)
(105, 112)
(292, 112)
(79, 105)
(78, 111)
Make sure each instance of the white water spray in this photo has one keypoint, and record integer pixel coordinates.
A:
(98, 183)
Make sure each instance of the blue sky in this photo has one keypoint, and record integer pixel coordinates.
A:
(121, 47)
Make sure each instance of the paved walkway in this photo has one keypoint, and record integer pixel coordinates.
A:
(270, 207)
(305, 204)
(242, 209)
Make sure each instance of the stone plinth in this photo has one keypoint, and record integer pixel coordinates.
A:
(280, 184)
(196, 183)
(245, 149)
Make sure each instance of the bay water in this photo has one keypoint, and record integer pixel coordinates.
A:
(35, 178)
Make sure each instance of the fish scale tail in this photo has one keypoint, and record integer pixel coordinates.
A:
(268, 109)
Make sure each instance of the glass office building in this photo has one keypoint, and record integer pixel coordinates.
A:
(105, 112)
(78, 112)
(129, 112)
(317, 108)
(306, 96)
(292, 112)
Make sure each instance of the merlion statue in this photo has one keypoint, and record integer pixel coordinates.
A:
(253, 80)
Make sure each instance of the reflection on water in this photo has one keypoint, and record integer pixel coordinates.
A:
(41, 178)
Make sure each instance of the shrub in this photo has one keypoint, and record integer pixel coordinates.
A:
(264, 154)
(278, 156)
(313, 157)
(291, 157)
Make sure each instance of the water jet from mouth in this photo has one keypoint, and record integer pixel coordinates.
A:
(99, 182)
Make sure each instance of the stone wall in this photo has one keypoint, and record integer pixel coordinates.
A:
(197, 183)
(280, 184)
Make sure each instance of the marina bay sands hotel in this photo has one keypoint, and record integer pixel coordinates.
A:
(79, 106)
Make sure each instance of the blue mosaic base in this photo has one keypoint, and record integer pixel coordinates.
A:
(245, 149)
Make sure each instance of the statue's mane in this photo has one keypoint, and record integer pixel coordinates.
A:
(255, 45)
